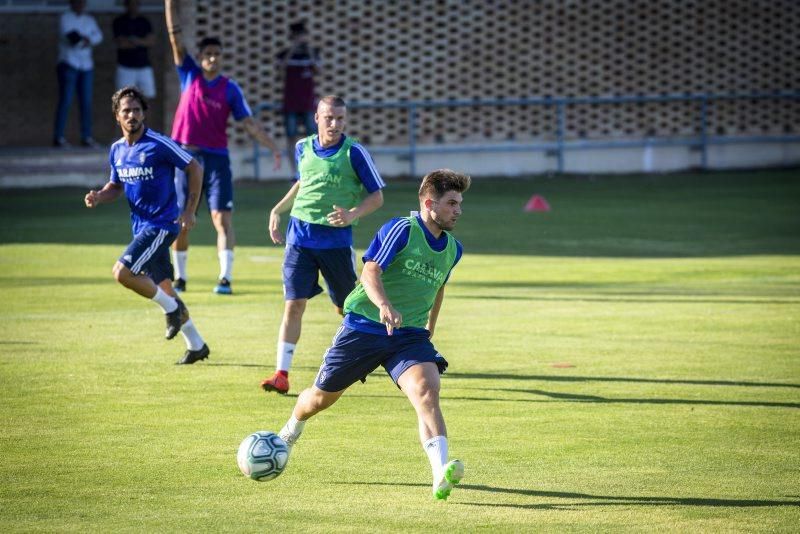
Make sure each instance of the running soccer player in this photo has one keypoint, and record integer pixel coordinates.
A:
(207, 99)
(325, 201)
(143, 164)
(390, 319)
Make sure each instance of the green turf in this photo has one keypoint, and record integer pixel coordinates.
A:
(629, 361)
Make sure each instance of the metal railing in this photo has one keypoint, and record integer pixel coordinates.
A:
(559, 145)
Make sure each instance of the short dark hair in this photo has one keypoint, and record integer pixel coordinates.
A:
(436, 183)
(208, 41)
(127, 91)
(333, 101)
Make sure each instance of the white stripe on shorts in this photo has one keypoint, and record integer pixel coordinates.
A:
(136, 268)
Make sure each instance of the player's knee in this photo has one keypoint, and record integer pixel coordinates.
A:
(294, 310)
(120, 273)
(424, 393)
(314, 400)
(222, 220)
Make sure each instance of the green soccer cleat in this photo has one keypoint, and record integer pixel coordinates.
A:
(452, 473)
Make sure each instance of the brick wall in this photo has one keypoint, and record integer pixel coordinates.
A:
(442, 49)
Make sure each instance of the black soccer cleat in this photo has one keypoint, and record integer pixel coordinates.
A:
(174, 320)
(179, 285)
(192, 356)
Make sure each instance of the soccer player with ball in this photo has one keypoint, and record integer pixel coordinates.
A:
(390, 318)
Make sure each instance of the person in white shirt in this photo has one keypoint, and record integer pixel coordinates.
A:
(77, 34)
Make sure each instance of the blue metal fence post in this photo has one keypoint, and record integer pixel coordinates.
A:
(560, 123)
(704, 132)
(412, 140)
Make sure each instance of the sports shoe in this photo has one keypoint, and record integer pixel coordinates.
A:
(176, 318)
(173, 322)
(452, 473)
(276, 382)
(192, 356)
(179, 285)
(287, 438)
(223, 287)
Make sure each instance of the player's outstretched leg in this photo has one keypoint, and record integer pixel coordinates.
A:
(309, 403)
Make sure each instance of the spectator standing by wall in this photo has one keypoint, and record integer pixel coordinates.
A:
(77, 34)
(134, 36)
(300, 63)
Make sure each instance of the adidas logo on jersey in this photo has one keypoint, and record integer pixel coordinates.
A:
(127, 257)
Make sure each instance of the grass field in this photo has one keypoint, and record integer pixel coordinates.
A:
(629, 361)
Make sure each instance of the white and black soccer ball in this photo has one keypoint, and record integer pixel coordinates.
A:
(262, 456)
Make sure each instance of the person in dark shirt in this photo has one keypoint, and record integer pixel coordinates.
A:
(300, 63)
(134, 36)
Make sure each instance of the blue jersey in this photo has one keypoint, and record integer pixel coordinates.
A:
(304, 234)
(189, 70)
(147, 171)
(391, 239)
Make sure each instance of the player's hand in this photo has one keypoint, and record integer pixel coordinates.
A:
(187, 220)
(91, 199)
(274, 228)
(276, 156)
(390, 317)
(340, 216)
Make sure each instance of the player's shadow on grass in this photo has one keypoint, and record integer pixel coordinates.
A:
(606, 500)
(564, 378)
(574, 397)
(598, 500)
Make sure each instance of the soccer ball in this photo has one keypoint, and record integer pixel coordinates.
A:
(262, 456)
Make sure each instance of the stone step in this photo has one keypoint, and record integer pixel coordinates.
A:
(53, 167)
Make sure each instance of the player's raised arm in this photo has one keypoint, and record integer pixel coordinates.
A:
(175, 31)
(373, 285)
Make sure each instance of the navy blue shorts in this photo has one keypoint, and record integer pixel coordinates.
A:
(302, 266)
(217, 181)
(353, 355)
(290, 122)
(148, 254)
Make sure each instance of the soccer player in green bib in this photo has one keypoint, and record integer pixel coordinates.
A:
(390, 318)
(337, 183)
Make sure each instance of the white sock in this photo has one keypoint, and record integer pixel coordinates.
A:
(191, 336)
(285, 355)
(179, 258)
(225, 263)
(167, 303)
(292, 430)
(436, 449)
